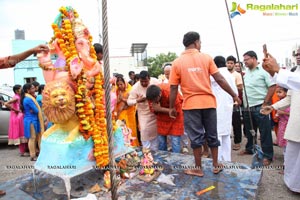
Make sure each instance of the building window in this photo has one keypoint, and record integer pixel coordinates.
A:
(30, 79)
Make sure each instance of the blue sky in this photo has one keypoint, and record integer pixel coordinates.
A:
(160, 23)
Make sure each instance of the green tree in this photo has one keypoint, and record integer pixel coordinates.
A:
(155, 63)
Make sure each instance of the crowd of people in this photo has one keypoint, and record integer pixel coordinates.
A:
(201, 97)
(20, 133)
(26, 119)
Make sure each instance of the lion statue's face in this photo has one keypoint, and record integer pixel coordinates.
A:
(59, 98)
(58, 102)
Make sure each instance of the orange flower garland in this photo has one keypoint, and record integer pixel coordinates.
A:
(92, 122)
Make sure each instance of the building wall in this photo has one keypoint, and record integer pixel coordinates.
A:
(121, 65)
(28, 71)
(28, 68)
(124, 64)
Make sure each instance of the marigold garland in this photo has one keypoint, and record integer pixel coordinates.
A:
(92, 120)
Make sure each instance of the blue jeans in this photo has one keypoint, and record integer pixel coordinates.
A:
(175, 140)
(263, 123)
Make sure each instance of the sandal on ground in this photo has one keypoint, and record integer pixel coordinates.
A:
(236, 147)
(281, 172)
(33, 158)
(205, 155)
(185, 150)
(296, 193)
(244, 152)
(266, 162)
(218, 169)
(24, 155)
(194, 172)
(2, 193)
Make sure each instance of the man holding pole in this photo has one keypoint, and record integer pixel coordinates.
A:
(259, 90)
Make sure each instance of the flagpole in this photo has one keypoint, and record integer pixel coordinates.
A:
(238, 59)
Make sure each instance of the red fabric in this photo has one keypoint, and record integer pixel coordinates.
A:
(165, 124)
(275, 98)
(23, 147)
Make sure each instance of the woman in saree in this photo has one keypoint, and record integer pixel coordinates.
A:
(125, 112)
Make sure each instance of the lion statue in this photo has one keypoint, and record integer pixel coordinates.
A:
(59, 108)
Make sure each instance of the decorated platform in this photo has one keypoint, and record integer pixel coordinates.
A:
(70, 159)
(236, 181)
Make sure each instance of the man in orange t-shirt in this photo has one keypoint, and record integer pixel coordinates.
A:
(192, 70)
(158, 97)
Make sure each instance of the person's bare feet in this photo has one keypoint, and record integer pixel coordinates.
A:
(194, 172)
(2, 193)
(244, 152)
(266, 162)
(218, 168)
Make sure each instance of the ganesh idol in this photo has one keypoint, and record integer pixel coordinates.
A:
(77, 68)
(71, 44)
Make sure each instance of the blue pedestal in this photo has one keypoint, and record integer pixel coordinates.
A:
(64, 158)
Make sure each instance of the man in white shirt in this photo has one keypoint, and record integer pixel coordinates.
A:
(224, 109)
(292, 153)
(236, 114)
(147, 119)
(282, 77)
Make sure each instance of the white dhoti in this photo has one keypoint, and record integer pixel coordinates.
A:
(292, 166)
(148, 129)
(224, 150)
(224, 114)
(151, 144)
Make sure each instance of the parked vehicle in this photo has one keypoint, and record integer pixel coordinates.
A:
(4, 115)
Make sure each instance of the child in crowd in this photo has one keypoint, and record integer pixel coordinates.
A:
(39, 97)
(283, 117)
(274, 119)
(16, 124)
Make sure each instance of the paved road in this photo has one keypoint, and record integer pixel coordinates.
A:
(272, 185)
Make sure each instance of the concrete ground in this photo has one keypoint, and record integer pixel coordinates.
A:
(271, 187)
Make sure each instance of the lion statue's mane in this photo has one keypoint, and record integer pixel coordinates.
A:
(58, 111)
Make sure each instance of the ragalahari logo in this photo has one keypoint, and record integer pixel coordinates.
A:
(236, 10)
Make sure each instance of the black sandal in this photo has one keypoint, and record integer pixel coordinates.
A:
(33, 158)
(24, 155)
